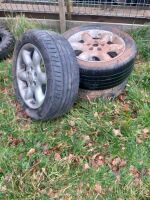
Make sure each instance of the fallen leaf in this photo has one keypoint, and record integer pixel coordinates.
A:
(137, 182)
(30, 152)
(14, 141)
(95, 114)
(48, 151)
(86, 138)
(51, 193)
(117, 132)
(71, 157)
(138, 140)
(122, 163)
(72, 123)
(145, 132)
(121, 98)
(97, 160)
(98, 189)
(57, 157)
(134, 171)
(126, 107)
(116, 163)
(86, 166)
(147, 172)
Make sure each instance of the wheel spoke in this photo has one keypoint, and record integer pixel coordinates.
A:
(84, 56)
(42, 78)
(115, 47)
(26, 56)
(36, 58)
(103, 56)
(86, 37)
(22, 75)
(39, 96)
(77, 46)
(106, 38)
(28, 93)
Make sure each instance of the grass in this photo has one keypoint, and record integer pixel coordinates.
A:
(99, 150)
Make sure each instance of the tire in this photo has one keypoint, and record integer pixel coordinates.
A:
(106, 74)
(6, 43)
(62, 74)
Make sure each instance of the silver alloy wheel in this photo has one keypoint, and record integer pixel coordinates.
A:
(97, 45)
(31, 76)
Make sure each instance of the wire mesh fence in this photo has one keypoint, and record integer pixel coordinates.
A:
(121, 8)
(38, 6)
(115, 8)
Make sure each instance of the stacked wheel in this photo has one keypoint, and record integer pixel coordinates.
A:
(46, 82)
(105, 55)
(46, 67)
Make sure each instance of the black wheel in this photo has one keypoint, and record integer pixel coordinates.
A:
(105, 55)
(46, 82)
(6, 43)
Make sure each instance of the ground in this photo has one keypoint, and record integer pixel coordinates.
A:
(99, 150)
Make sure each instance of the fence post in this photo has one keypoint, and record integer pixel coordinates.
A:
(62, 15)
(69, 8)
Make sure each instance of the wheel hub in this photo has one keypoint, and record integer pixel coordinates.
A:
(97, 45)
(31, 76)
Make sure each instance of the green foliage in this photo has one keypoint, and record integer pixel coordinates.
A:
(142, 38)
(56, 170)
(20, 24)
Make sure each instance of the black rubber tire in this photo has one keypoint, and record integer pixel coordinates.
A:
(62, 73)
(7, 42)
(105, 75)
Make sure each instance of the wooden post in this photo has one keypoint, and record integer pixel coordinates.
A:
(62, 16)
(69, 9)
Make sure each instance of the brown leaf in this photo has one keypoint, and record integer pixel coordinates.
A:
(134, 171)
(145, 132)
(116, 163)
(30, 152)
(142, 136)
(97, 160)
(51, 193)
(126, 107)
(138, 140)
(98, 189)
(14, 141)
(117, 132)
(86, 139)
(71, 158)
(122, 163)
(48, 152)
(95, 114)
(57, 157)
(121, 98)
(71, 123)
(137, 182)
(86, 166)
(147, 172)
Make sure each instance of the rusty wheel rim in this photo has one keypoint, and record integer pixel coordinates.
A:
(97, 45)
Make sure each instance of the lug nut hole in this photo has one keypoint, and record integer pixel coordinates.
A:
(95, 45)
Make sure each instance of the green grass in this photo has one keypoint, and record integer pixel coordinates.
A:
(87, 130)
